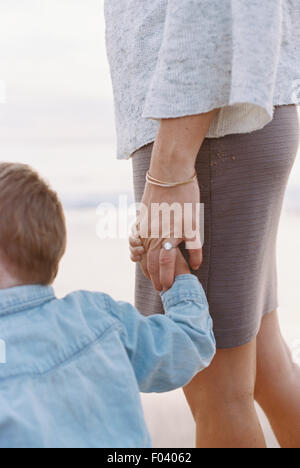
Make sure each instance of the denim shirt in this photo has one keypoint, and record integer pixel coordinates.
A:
(75, 366)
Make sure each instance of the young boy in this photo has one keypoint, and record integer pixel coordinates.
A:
(75, 366)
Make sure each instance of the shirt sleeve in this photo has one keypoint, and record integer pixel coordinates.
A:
(167, 351)
(216, 54)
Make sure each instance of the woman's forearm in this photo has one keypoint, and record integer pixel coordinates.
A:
(173, 160)
(177, 145)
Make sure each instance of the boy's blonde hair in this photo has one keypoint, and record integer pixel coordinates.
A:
(32, 225)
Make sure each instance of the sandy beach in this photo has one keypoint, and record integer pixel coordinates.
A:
(94, 264)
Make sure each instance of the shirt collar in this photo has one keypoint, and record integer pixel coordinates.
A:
(24, 297)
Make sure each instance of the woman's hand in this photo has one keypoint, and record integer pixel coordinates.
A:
(173, 160)
(169, 214)
(137, 252)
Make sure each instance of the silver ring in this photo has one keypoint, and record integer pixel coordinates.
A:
(168, 246)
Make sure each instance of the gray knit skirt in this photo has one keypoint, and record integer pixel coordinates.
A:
(243, 179)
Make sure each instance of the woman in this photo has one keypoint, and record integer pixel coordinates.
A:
(210, 85)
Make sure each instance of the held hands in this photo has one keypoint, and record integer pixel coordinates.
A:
(137, 254)
(168, 214)
(173, 159)
(176, 220)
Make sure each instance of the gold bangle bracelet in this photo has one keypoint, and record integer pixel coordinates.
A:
(160, 183)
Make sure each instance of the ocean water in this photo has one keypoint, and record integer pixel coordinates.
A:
(56, 103)
(87, 174)
(83, 174)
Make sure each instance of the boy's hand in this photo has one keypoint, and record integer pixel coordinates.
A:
(137, 250)
(138, 254)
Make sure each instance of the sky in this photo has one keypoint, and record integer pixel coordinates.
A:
(54, 66)
(54, 72)
(58, 115)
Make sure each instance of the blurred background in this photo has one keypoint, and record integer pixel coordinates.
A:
(56, 113)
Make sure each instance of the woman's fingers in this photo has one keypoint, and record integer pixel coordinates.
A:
(161, 265)
(167, 264)
(193, 245)
(196, 258)
(182, 267)
(153, 266)
(143, 266)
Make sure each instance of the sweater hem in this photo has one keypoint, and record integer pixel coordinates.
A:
(259, 123)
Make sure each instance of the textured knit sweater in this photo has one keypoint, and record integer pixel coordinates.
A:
(172, 58)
